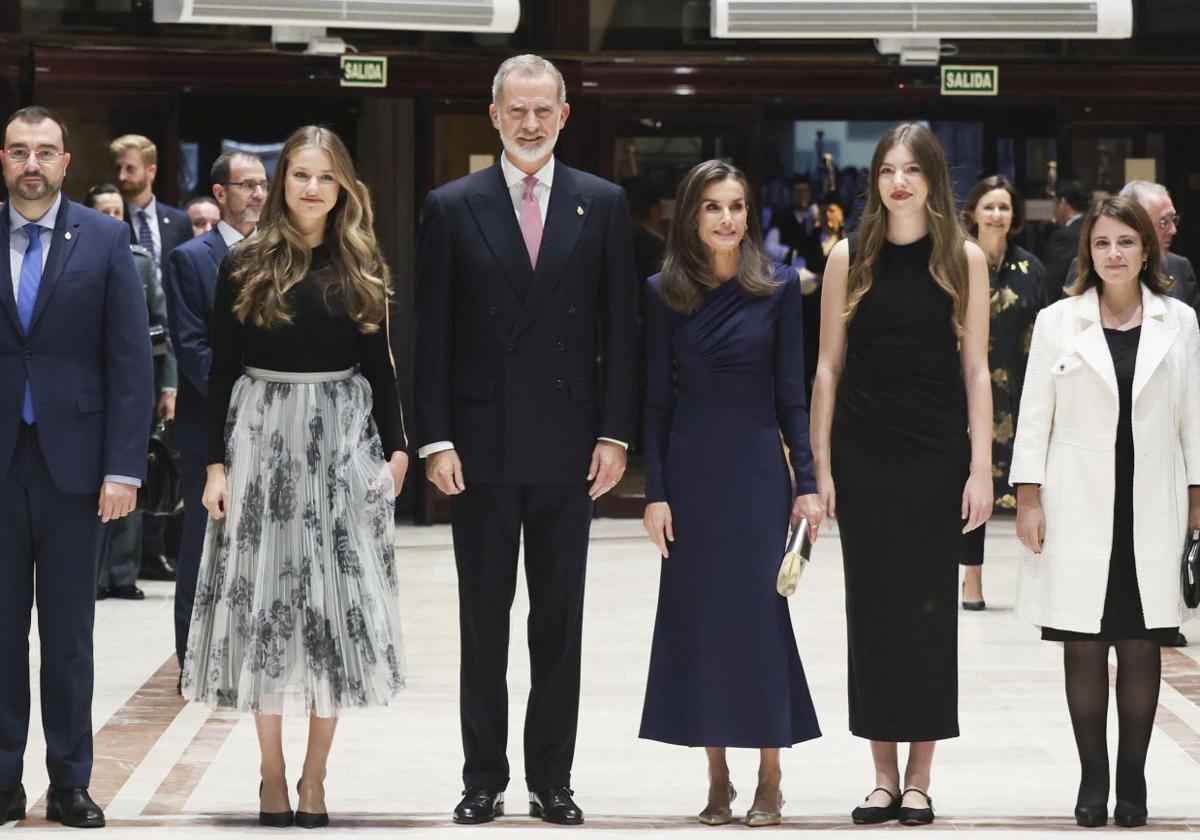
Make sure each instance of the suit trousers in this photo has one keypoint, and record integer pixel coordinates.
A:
(192, 474)
(488, 521)
(49, 544)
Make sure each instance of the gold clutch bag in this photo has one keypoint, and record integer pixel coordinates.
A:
(795, 558)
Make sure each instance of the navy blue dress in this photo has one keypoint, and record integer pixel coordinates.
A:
(721, 384)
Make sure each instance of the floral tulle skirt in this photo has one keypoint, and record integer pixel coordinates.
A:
(296, 606)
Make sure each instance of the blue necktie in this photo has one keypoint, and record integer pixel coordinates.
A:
(27, 291)
(145, 237)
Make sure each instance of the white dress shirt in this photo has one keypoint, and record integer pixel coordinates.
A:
(229, 233)
(515, 180)
(18, 243)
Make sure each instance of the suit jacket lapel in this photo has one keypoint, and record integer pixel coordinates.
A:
(217, 249)
(1155, 341)
(8, 300)
(492, 207)
(1090, 342)
(565, 218)
(62, 244)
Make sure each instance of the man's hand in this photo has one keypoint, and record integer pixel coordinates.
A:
(608, 465)
(444, 470)
(166, 406)
(117, 500)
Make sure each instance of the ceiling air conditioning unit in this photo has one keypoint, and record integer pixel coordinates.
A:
(922, 19)
(427, 15)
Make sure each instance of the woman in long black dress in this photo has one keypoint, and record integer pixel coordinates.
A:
(1103, 521)
(297, 602)
(992, 215)
(901, 379)
(725, 375)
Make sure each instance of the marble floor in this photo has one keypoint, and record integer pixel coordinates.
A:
(166, 769)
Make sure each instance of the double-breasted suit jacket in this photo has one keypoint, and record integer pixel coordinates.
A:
(506, 355)
(1066, 442)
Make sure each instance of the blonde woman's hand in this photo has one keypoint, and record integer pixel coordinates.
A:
(398, 467)
(977, 500)
(657, 522)
(809, 506)
(216, 492)
(826, 493)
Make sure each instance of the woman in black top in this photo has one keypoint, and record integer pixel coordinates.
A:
(296, 605)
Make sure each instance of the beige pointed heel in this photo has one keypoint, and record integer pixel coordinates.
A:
(719, 816)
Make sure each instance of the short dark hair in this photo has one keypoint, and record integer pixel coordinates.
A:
(33, 114)
(1077, 196)
(219, 174)
(800, 179)
(993, 182)
(202, 199)
(89, 199)
(1131, 214)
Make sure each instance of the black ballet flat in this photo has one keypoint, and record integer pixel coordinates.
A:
(1091, 816)
(1129, 815)
(274, 819)
(874, 814)
(916, 816)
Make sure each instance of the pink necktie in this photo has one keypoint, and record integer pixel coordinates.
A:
(531, 220)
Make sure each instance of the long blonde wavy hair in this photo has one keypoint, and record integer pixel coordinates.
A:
(948, 259)
(267, 265)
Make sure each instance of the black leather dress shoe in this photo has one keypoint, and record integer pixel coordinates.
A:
(157, 567)
(129, 592)
(101, 593)
(12, 805)
(73, 807)
(1129, 815)
(555, 805)
(479, 805)
(1180, 640)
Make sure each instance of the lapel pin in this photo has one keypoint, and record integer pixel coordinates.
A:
(166, 220)
(579, 210)
(67, 235)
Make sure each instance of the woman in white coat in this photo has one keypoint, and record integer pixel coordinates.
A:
(1106, 460)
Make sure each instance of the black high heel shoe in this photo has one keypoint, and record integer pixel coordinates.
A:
(1091, 816)
(306, 819)
(274, 819)
(1129, 815)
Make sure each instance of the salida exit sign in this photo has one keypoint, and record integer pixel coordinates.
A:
(364, 71)
(963, 80)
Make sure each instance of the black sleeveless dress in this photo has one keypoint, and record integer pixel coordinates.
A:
(900, 455)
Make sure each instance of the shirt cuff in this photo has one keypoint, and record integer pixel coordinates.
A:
(619, 443)
(437, 446)
(167, 391)
(124, 479)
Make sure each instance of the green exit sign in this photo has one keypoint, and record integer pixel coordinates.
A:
(364, 71)
(963, 80)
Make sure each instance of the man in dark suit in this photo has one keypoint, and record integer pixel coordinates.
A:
(159, 228)
(1156, 201)
(75, 380)
(517, 268)
(1062, 246)
(239, 184)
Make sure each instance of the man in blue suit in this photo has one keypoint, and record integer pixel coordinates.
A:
(239, 183)
(75, 379)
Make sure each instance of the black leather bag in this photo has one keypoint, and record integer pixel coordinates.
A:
(161, 492)
(1190, 571)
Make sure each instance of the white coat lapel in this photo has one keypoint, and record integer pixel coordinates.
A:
(1155, 341)
(1090, 343)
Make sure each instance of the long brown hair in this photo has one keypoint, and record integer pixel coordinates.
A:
(275, 259)
(948, 260)
(1127, 212)
(687, 272)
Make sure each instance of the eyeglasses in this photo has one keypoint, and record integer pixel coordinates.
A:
(1166, 221)
(250, 186)
(42, 155)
